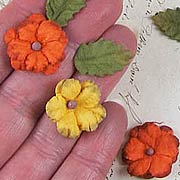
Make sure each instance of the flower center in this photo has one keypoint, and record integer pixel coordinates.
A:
(150, 152)
(36, 46)
(72, 104)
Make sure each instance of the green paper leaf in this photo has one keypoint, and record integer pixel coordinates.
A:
(169, 22)
(101, 58)
(61, 11)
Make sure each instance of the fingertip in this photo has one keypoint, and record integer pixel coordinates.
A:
(90, 23)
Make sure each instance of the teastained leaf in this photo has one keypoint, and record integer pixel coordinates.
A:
(62, 11)
(169, 22)
(102, 58)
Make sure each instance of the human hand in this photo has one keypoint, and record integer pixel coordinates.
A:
(31, 147)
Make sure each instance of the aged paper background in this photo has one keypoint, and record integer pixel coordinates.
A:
(150, 90)
(3, 3)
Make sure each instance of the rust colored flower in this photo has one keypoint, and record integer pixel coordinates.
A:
(151, 151)
(37, 45)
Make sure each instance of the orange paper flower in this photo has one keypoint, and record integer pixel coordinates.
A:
(37, 45)
(151, 151)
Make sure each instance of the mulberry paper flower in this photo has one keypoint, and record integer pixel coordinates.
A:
(76, 107)
(37, 45)
(151, 151)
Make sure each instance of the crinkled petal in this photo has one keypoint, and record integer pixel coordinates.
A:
(59, 87)
(160, 166)
(90, 96)
(100, 112)
(18, 51)
(67, 126)
(36, 18)
(56, 108)
(70, 89)
(134, 150)
(86, 120)
(134, 131)
(145, 138)
(19, 48)
(166, 130)
(36, 61)
(51, 69)
(27, 32)
(167, 145)
(54, 51)
(10, 35)
(153, 130)
(147, 133)
(18, 64)
(49, 31)
(87, 83)
(140, 167)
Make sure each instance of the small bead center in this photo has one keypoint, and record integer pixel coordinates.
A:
(36, 46)
(72, 104)
(150, 152)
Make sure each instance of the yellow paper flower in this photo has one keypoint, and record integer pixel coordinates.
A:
(76, 107)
